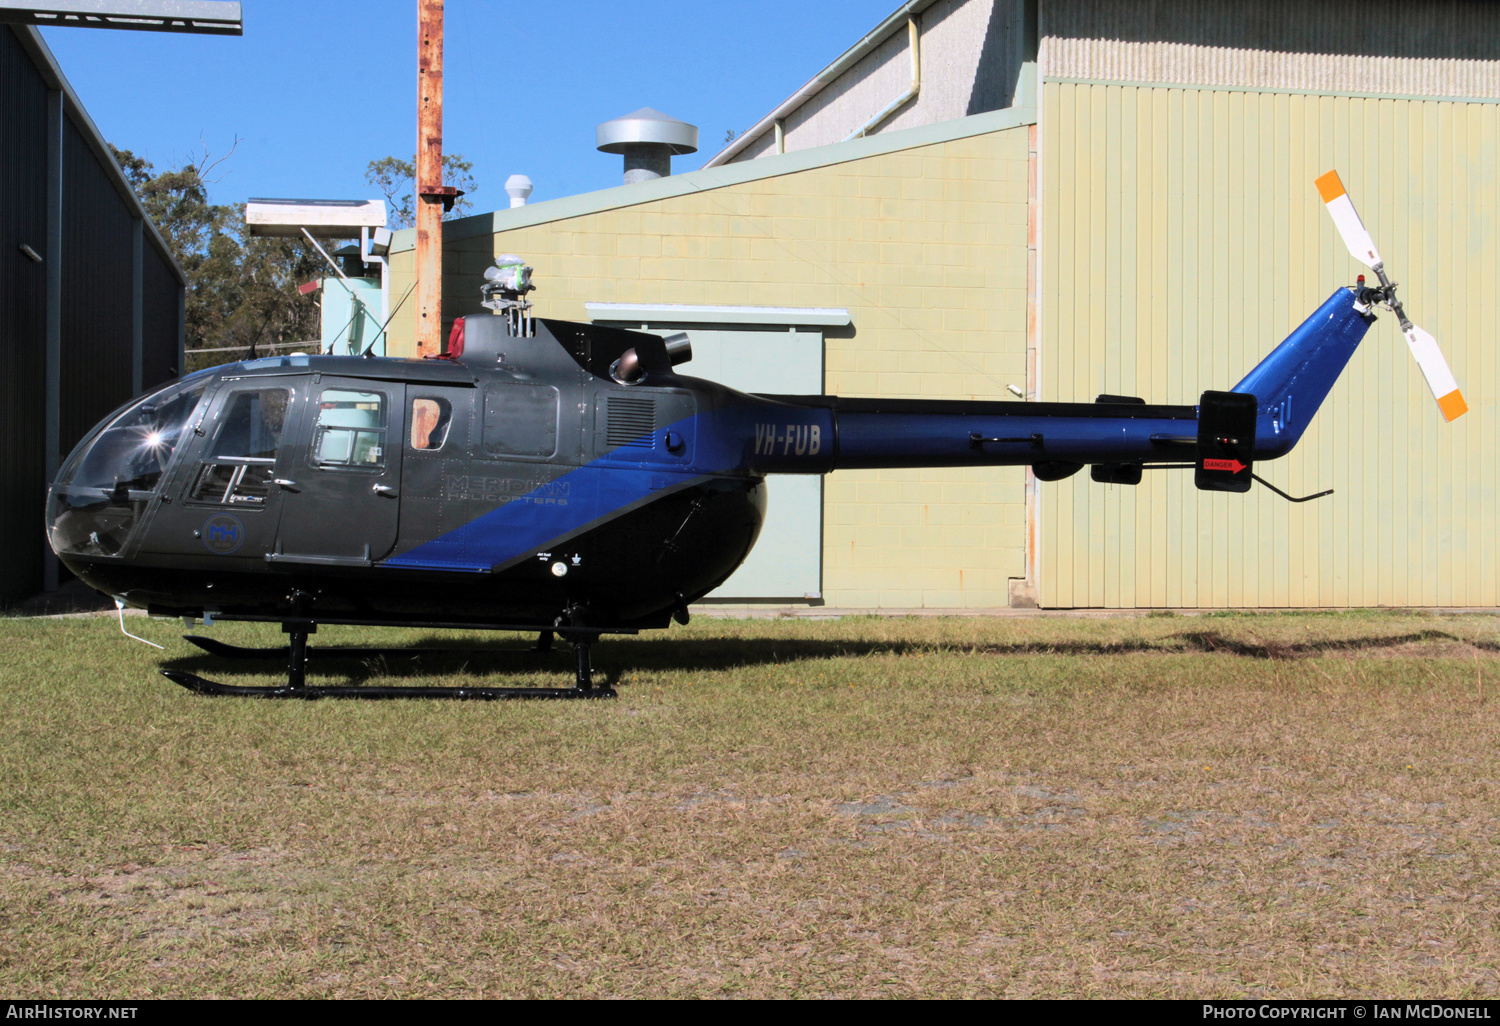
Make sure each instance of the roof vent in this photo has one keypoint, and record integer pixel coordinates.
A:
(648, 139)
(518, 187)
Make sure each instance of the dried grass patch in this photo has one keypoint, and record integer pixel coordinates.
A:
(1276, 806)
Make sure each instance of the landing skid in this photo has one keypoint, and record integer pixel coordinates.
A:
(218, 648)
(298, 653)
(203, 686)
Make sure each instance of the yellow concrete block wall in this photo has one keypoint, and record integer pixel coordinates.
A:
(926, 247)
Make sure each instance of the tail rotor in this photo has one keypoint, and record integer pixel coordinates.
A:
(1424, 348)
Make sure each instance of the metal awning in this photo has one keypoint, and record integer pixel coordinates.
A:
(682, 313)
(207, 17)
(327, 219)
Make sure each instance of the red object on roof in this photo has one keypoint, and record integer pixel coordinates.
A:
(455, 343)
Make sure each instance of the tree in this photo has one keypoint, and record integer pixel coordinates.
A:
(397, 180)
(243, 290)
(240, 289)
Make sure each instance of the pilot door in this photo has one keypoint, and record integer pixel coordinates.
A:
(223, 500)
(341, 503)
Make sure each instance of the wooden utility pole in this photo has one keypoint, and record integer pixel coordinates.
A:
(432, 197)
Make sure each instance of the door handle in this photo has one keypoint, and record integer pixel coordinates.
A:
(383, 489)
(286, 483)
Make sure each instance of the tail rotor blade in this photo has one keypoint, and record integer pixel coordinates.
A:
(1435, 369)
(1346, 219)
(1424, 347)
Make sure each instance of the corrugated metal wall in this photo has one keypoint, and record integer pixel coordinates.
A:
(95, 316)
(23, 219)
(1182, 239)
(160, 319)
(97, 336)
(1384, 47)
(970, 58)
(1425, 28)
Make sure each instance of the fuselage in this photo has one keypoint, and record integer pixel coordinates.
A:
(525, 483)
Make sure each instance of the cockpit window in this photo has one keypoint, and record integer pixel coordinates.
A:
(104, 487)
(135, 449)
(252, 424)
(242, 461)
(298, 360)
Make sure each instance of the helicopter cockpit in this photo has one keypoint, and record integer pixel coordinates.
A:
(106, 483)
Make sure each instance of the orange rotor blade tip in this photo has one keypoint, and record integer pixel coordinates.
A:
(1453, 405)
(1330, 187)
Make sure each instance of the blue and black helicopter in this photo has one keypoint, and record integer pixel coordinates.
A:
(564, 478)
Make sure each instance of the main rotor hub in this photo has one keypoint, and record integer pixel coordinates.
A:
(504, 290)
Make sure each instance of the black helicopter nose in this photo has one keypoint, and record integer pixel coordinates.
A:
(100, 494)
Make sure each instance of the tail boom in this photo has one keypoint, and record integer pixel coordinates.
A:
(815, 434)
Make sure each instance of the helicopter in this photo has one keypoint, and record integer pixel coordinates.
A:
(565, 479)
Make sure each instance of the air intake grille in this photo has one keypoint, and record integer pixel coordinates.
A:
(631, 422)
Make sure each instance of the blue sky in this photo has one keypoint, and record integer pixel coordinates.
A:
(316, 90)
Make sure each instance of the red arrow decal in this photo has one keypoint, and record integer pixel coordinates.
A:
(1233, 466)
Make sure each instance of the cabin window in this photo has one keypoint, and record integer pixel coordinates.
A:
(350, 431)
(240, 465)
(430, 419)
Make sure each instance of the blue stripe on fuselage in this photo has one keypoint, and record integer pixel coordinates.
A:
(530, 522)
(724, 439)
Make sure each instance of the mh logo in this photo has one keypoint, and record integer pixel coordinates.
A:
(223, 534)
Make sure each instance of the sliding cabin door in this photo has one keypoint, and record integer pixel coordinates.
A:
(341, 504)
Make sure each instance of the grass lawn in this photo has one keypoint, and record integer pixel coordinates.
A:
(1299, 805)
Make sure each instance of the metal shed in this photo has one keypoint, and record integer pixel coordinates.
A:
(91, 299)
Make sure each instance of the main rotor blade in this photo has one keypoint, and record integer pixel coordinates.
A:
(1346, 219)
(1435, 369)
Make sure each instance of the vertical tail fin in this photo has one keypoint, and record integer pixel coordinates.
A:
(1292, 382)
